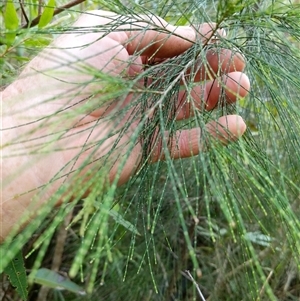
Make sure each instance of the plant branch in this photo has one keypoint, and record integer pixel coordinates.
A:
(40, 7)
(196, 284)
(23, 11)
(58, 10)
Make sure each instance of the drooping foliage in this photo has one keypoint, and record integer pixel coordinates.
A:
(229, 216)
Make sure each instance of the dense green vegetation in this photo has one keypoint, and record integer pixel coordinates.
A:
(230, 216)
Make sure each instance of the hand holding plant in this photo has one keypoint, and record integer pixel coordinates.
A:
(73, 108)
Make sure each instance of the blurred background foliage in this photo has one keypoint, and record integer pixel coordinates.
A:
(229, 216)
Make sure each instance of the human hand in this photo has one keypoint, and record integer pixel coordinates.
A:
(56, 115)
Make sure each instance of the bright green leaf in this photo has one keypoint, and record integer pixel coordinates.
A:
(47, 14)
(11, 22)
(11, 19)
(53, 279)
(9, 38)
(17, 275)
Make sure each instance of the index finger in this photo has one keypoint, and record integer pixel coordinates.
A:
(151, 35)
(163, 40)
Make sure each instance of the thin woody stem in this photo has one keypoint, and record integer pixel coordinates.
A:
(58, 10)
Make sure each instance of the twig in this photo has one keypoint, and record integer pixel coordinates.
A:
(23, 11)
(40, 7)
(264, 285)
(58, 10)
(196, 284)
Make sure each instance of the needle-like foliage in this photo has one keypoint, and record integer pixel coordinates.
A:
(229, 217)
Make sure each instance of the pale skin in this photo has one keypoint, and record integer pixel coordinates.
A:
(50, 83)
